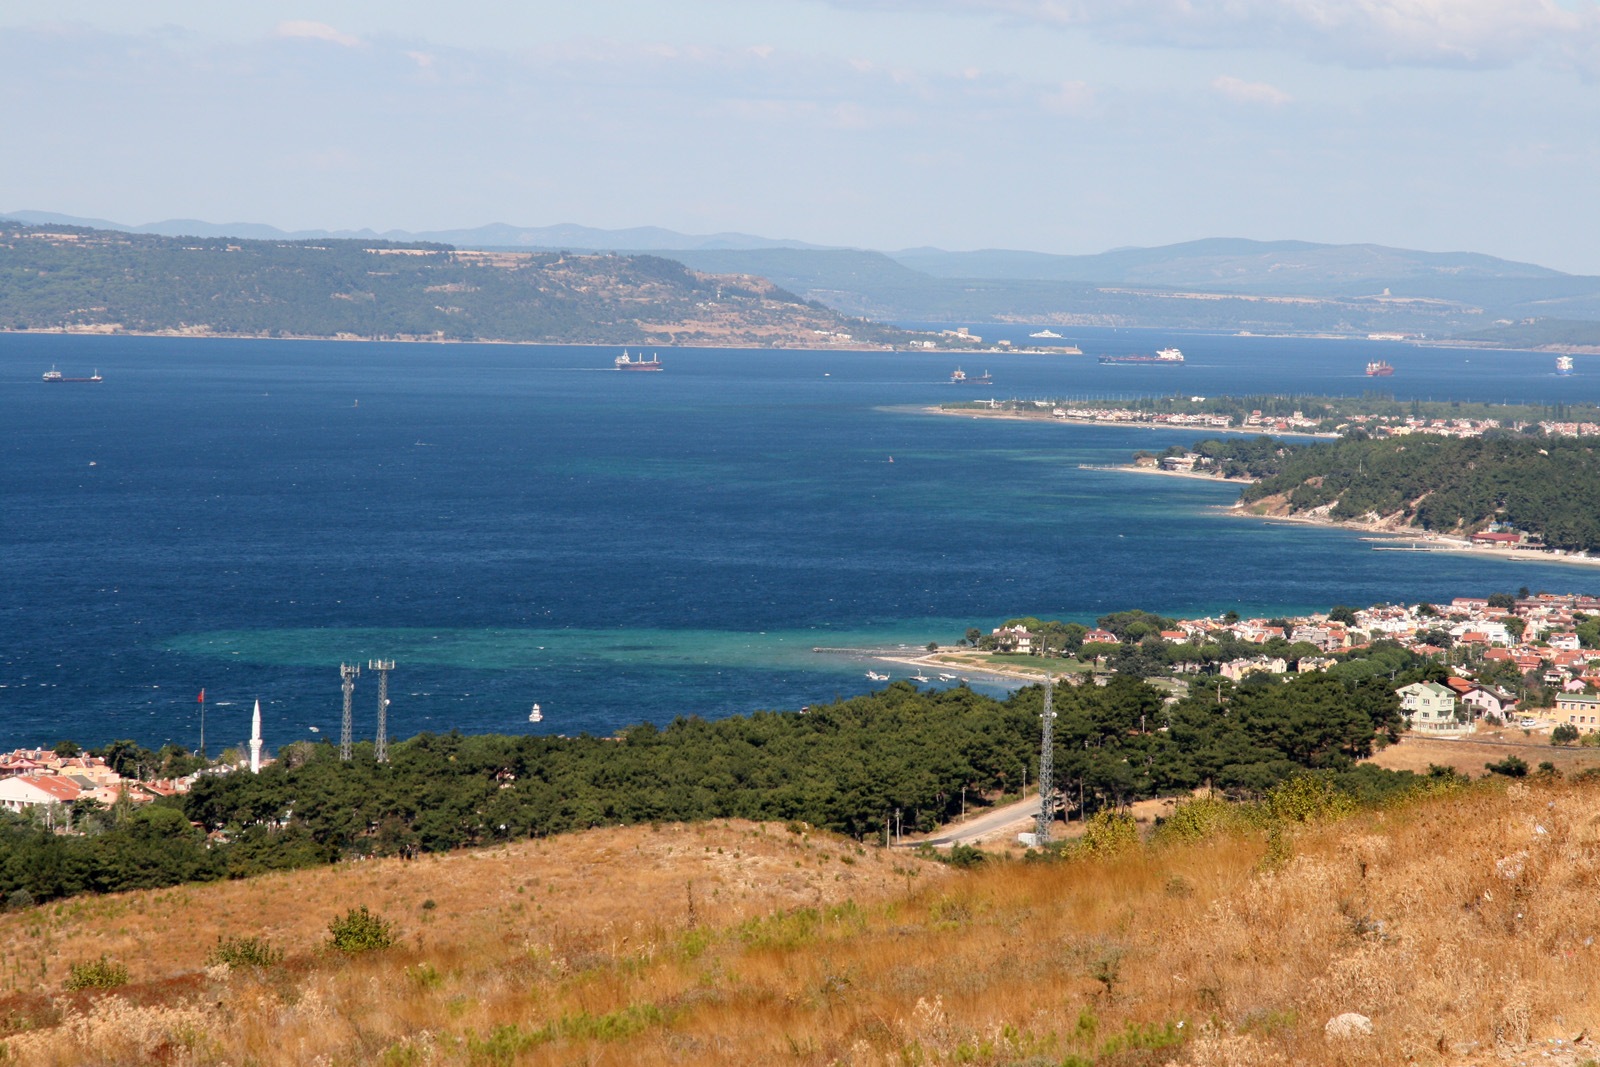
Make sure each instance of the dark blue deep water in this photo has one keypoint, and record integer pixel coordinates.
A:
(516, 524)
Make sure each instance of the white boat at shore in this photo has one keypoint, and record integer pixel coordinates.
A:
(876, 677)
(921, 679)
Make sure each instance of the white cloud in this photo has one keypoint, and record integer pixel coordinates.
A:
(318, 31)
(1243, 92)
(1359, 33)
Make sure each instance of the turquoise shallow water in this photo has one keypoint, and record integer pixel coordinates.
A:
(515, 524)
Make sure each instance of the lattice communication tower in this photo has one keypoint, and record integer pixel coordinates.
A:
(380, 744)
(1047, 769)
(348, 672)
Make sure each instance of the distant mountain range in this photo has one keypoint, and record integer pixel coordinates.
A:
(1219, 283)
(494, 235)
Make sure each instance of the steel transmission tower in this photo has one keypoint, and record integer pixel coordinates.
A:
(380, 744)
(1047, 770)
(347, 671)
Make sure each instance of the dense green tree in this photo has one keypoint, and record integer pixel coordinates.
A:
(841, 766)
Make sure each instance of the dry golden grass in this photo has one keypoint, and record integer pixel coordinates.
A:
(1467, 755)
(1463, 925)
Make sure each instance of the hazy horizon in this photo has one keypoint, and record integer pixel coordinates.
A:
(1058, 126)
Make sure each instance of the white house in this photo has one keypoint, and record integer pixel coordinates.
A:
(1013, 639)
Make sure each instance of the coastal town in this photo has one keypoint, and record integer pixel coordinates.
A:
(58, 782)
(1531, 661)
(1203, 414)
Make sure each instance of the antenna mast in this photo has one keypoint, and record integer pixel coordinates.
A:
(348, 672)
(380, 744)
(1047, 771)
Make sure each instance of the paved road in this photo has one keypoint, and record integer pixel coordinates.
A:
(1009, 820)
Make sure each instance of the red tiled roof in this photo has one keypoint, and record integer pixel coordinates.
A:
(62, 789)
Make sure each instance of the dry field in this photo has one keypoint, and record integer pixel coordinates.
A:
(1468, 755)
(1462, 925)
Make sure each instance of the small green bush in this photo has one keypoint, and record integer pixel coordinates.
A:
(96, 974)
(1511, 767)
(1201, 817)
(1109, 832)
(1308, 797)
(358, 930)
(237, 952)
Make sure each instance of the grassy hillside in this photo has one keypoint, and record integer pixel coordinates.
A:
(1264, 287)
(1460, 922)
(104, 281)
(1553, 334)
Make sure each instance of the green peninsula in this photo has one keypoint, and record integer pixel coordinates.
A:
(75, 279)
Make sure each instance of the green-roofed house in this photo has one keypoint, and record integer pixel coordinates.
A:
(1431, 708)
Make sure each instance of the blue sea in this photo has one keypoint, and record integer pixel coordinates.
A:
(520, 524)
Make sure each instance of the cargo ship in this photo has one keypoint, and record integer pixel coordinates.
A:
(1379, 369)
(53, 375)
(624, 363)
(1163, 355)
(961, 377)
(1563, 365)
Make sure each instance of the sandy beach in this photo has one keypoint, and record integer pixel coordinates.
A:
(1426, 541)
(959, 663)
(1129, 468)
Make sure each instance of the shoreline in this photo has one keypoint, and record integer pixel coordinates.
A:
(1436, 542)
(947, 662)
(753, 346)
(1128, 468)
(1021, 416)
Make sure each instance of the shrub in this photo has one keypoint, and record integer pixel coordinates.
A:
(358, 930)
(1511, 767)
(1307, 798)
(1564, 734)
(1199, 818)
(1109, 832)
(237, 952)
(96, 974)
(963, 856)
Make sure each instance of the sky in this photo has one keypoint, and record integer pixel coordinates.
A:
(1067, 126)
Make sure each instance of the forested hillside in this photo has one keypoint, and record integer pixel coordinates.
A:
(843, 767)
(99, 280)
(1544, 485)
